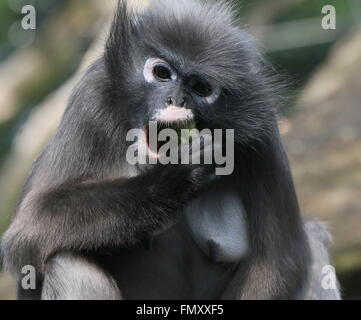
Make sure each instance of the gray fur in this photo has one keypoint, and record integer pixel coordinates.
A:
(71, 277)
(320, 240)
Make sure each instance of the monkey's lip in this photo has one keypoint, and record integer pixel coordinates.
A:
(174, 114)
(175, 125)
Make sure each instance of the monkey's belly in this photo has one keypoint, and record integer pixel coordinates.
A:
(173, 268)
(194, 259)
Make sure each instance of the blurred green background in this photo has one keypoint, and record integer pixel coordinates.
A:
(321, 122)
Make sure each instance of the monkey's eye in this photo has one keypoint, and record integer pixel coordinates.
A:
(201, 87)
(161, 72)
(158, 70)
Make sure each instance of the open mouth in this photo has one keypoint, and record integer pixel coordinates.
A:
(182, 132)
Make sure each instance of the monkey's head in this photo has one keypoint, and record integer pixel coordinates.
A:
(185, 61)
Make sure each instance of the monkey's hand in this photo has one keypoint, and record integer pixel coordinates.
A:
(194, 170)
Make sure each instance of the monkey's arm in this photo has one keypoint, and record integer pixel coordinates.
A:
(92, 215)
(319, 240)
(279, 255)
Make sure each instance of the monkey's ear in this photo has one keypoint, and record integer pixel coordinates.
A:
(119, 43)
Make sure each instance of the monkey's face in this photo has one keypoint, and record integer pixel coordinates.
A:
(174, 96)
(170, 95)
(180, 69)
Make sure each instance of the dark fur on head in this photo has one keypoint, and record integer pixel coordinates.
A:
(195, 37)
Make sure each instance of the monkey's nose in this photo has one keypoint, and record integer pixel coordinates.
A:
(176, 102)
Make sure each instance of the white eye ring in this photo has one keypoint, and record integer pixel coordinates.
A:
(214, 96)
(148, 71)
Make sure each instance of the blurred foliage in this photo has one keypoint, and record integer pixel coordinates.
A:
(7, 17)
(311, 8)
(300, 62)
(9, 14)
(61, 59)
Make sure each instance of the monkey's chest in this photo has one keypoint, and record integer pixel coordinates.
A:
(194, 259)
(217, 224)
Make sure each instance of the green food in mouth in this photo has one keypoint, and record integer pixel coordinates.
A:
(186, 133)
